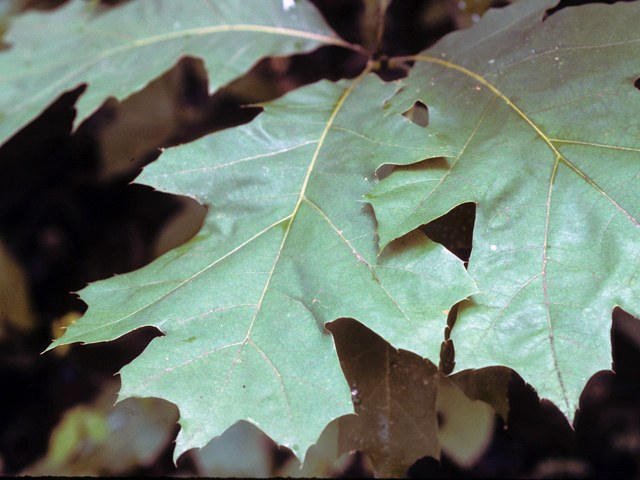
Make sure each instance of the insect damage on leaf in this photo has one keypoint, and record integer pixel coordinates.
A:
(286, 246)
(552, 166)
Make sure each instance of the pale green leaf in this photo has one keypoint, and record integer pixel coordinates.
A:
(288, 244)
(118, 52)
(541, 120)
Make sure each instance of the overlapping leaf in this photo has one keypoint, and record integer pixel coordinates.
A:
(118, 52)
(407, 409)
(394, 393)
(541, 119)
(287, 245)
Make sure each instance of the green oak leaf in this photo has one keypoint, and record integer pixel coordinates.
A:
(119, 51)
(288, 244)
(540, 116)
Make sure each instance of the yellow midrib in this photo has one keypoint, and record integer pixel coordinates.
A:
(558, 158)
(201, 31)
(303, 189)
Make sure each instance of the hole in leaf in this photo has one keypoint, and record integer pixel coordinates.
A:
(637, 83)
(418, 114)
(384, 170)
(454, 230)
(447, 357)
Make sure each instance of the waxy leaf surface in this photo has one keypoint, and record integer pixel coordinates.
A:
(121, 50)
(288, 244)
(541, 121)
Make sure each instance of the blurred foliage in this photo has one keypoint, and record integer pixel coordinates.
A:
(103, 439)
(58, 327)
(242, 451)
(465, 426)
(15, 306)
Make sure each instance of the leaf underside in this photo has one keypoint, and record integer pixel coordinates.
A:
(287, 245)
(143, 39)
(534, 121)
(540, 119)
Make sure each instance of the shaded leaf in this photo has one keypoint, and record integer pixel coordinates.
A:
(102, 439)
(323, 459)
(540, 119)
(491, 385)
(16, 312)
(372, 23)
(287, 245)
(394, 394)
(119, 51)
(241, 451)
